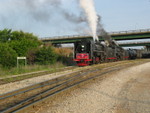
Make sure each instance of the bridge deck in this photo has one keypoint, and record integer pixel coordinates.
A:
(122, 35)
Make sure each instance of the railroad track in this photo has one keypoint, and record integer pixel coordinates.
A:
(20, 77)
(25, 98)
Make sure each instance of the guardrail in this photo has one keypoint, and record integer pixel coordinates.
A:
(82, 36)
(131, 31)
(142, 42)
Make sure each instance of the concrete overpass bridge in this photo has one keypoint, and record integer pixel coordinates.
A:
(133, 44)
(130, 44)
(122, 35)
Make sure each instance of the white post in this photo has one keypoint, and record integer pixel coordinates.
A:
(21, 58)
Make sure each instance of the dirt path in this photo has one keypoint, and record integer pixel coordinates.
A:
(125, 91)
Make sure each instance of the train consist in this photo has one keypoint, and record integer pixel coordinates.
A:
(87, 52)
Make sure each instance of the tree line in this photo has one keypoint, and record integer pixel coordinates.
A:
(15, 44)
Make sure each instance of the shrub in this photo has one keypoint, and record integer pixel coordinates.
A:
(31, 56)
(23, 46)
(7, 56)
(46, 55)
(5, 35)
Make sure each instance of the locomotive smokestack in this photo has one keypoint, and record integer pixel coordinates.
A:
(90, 12)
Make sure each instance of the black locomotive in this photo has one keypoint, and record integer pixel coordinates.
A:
(87, 52)
(132, 54)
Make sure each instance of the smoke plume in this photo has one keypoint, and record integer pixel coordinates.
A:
(89, 9)
(44, 14)
(101, 31)
(37, 9)
(73, 18)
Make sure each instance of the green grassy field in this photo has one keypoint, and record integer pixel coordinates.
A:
(4, 72)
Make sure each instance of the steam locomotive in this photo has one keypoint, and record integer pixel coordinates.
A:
(87, 52)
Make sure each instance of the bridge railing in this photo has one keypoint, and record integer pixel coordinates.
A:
(130, 31)
(110, 33)
(66, 36)
(143, 42)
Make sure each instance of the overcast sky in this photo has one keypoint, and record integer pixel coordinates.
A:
(47, 18)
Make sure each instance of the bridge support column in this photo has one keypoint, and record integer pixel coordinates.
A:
(148, 48)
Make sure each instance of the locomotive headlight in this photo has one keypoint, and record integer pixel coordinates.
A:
(82, 46)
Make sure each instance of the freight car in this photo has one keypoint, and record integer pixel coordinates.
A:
(146, 55)
(87, 52)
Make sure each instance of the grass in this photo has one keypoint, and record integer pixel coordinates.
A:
(48, 69)
(29, 68)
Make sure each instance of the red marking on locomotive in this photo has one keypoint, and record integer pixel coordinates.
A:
(126, 57)
(111, 58)
(82, 56)
(82, 59)
(97, 59)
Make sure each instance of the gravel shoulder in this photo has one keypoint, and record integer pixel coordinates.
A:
(124, 91)
(30, 81)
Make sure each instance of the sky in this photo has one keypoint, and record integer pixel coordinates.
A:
(48, 18)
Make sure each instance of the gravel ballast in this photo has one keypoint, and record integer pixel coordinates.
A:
(124, 91)
(27, 82)
(30, 81)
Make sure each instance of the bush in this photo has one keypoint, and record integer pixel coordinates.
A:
(5, 35)
(31, 56)
(65, 56)
(23, 46)
(46, 55)
(7, 56)
(19, 43)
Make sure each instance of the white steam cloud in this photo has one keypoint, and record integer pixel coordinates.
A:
(89, 9)
(30, 15)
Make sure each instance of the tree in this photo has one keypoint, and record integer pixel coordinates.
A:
(23, 46)
(15, 43)
(9, 35)
(19, 35)
(7, 56)
(46, 55)
(31, 56)
(19, 43)
(5, 35)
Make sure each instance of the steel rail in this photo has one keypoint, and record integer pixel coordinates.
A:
(41, 84)
(52, 87)
(11, 96)
(34, 100)
(20, 77)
